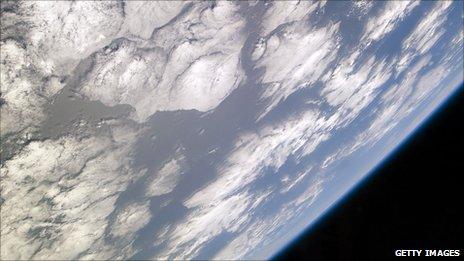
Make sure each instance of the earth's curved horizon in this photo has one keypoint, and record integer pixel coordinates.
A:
(205, 130)
(369, 177)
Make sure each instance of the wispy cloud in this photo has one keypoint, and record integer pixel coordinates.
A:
(425, 35)
(263, 231)
(295, 58)
(387, 20)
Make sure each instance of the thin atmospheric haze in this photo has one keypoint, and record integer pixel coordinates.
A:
(205, 130)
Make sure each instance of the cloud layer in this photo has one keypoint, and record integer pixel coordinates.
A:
(296, 87)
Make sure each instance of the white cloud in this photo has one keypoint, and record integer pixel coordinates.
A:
(387, 20)
(396, 104)
(230, 192)
(255, 234)
(284, 12)
(65, 32)
(193, 63)
(22, 87)
(58, 195)
(288, 182)
(429, 29)
(361, 7)
(416, 84)
(265, 230)
(203, 224)
(455, 49)
(56, 36)
(166, 179)
(295, 58)
(288, 68)
(425, 35)
(130, 219)
(269, 148)
(352, 90)
(310, 194)
(143, 17)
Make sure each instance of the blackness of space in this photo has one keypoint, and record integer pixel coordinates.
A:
(414, 200)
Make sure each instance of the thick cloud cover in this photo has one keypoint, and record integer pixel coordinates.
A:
(201, 129)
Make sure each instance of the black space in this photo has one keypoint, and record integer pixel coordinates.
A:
(414, 201)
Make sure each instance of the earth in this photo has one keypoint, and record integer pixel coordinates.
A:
(205, 130)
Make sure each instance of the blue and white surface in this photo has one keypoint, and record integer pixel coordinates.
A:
(204, 130)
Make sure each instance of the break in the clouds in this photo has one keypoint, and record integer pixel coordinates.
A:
(207, 130)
